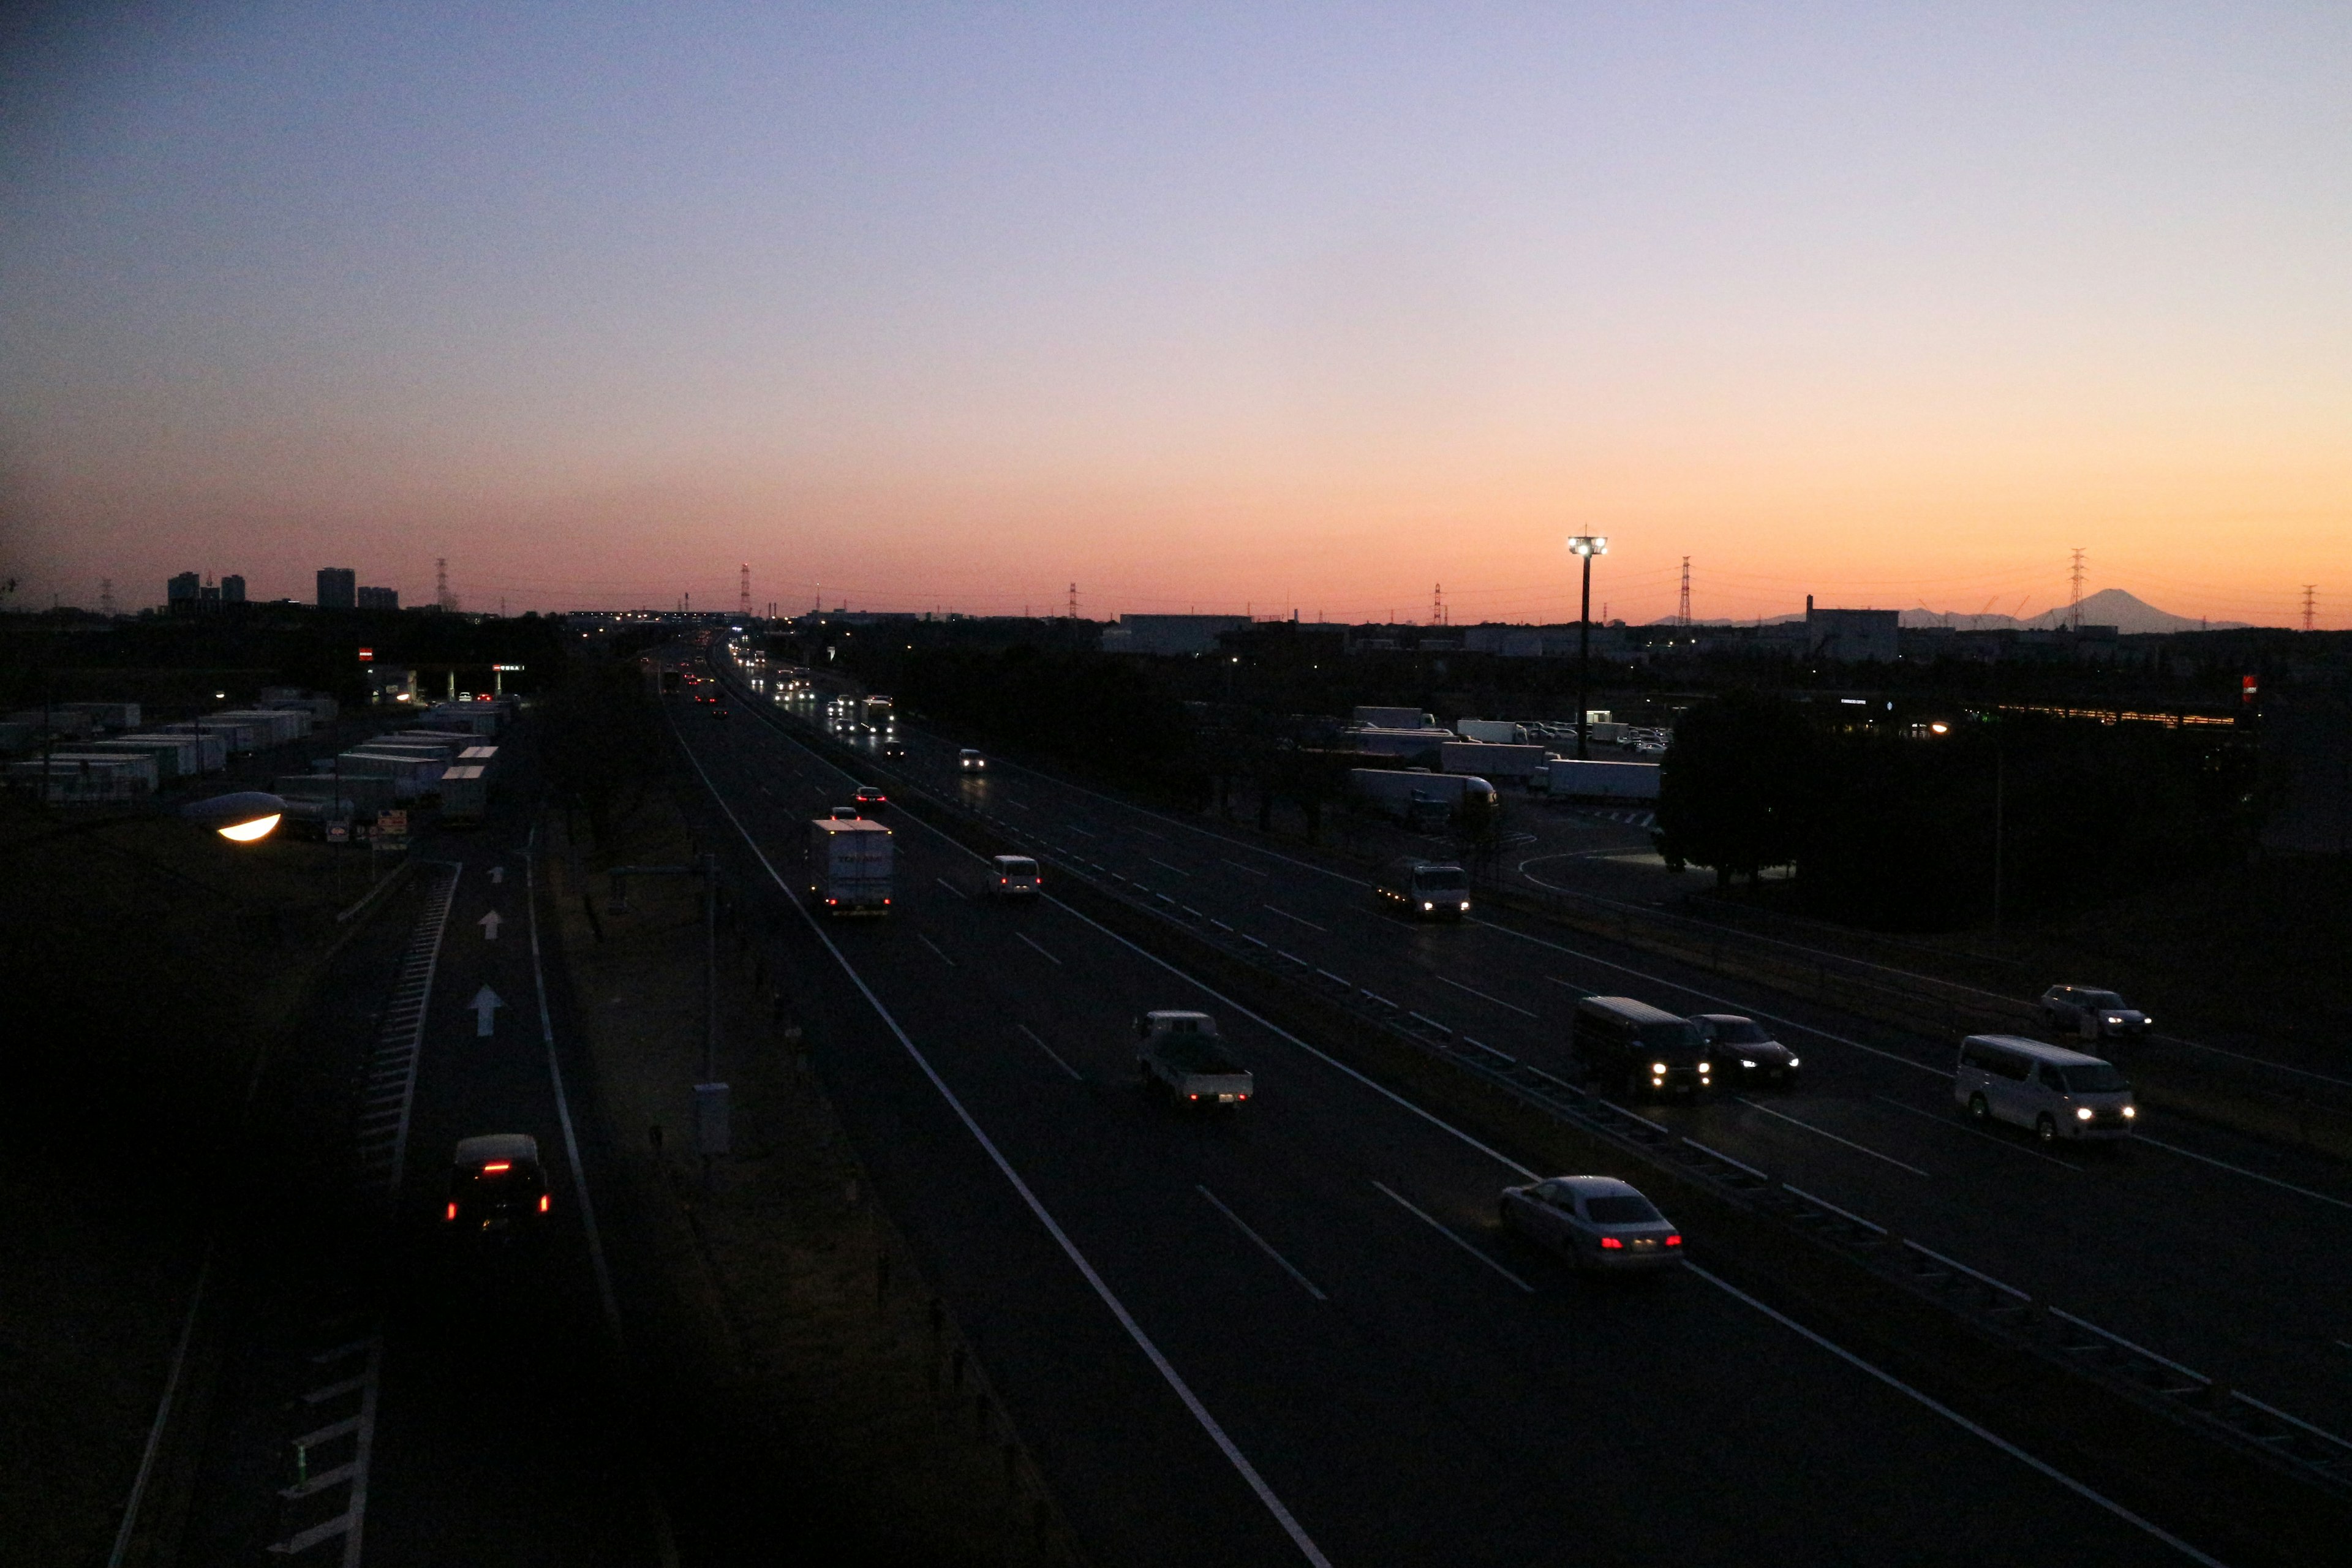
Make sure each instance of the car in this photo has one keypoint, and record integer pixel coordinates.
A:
(870, 795)
(2092, 1013)
(496, 1186)
(1180, 1057)
(1761, 1059)
(1013, 876)
(720, 711)
(1631, 1047)
(894, 750)
(971, 762)
(843, 813)
(1593, 1222)
(2056, 1092)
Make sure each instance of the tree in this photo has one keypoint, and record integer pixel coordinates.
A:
(1733, 788)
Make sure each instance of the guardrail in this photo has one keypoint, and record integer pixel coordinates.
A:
(1989, 1307)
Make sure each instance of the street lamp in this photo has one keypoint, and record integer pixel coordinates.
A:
(1587, 546)
(241, 819)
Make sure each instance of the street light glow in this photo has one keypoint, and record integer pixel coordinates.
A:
(1589, 544)
(246, 832)
(241, 818)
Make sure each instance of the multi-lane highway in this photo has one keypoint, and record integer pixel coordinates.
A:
(2213, 1249)
(1299, 1331)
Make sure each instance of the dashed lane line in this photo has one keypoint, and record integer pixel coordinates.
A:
(1825, 1132)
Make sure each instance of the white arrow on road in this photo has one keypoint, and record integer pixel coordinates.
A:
(490, 924)
(486, 1001)
(498, 874)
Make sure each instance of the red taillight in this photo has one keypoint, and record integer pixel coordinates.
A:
(1241, 1097)
(1674, 1241)
(1612, 1244)
(1195, 1097)
(542, 1203)
(496, 1165)
(1003, 880)
(452, 1213)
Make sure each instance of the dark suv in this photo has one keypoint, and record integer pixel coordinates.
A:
(495, 1185)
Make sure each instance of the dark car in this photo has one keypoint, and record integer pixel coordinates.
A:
(1744, 1051)
(869, 797)
(894, 750)
(2090, 1013)
(495, 1185)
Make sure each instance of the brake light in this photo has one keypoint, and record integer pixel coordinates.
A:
(1241, 1097)
(1612, 1244)
(452, 1213)
(496, 1165)
(542, 1203)
(1674, 1241)
(1195, 1097)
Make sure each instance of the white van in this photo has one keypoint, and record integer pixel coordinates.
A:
(2057, 1092)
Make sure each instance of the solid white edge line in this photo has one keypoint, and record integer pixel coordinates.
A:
(1040, 1041)
(665, 1535)
(1446, 1231)
(1957, 1419)
(1511, 1164)
(1263, 1244)
(131, 1507)
(1239, 1460)
(935, 947)
(2238, 1169)
(1047, 956)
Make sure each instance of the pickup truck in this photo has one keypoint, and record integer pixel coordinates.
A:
(1178, 1058)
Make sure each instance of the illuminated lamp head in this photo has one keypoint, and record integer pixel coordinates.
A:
(241, 819)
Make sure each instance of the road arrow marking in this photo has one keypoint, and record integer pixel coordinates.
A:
(499, 873)
(490, 924)
(486, 1001)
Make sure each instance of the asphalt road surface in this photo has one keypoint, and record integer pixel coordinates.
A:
(1298, 1332)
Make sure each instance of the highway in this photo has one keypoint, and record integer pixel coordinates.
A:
(2213, 1249)
(1298, 1332)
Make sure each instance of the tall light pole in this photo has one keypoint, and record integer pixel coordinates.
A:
(1586, 545)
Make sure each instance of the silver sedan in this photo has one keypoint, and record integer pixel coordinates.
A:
(1593, 1222)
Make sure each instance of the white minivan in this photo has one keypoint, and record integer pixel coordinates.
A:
(2057, 1092)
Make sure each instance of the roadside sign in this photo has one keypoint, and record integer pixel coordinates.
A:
(339, 832)
(392, 823)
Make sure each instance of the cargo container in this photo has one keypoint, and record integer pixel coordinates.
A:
(1493, 762)
(280, 725)
(412, 776)
(1499, 732)
(1377, 718)
(108, 715)
(236, 739)
(165, 750)
(1395, 742)
(1571, 780)
(849, 866)
(465, 794)
(80, 782)
(1406, 793)
(363, 792)
(140, 766)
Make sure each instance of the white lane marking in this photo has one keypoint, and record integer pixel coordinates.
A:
(1069, 826)
(1015, 804)
(1167, 1370)
(1163, 837)
(1962, 1422)
(2010, 1144)
(1285, 914)
(1024, 936)
(1825, 1132)
(2237, 1170)
(1497, 1001)
(1263, 1244)
(1165, 866)
(935, 947)
(1039, 1041)
(163, 1412)
(1447, 1232)
(1247, 871)
(1743, 1009)
(664, 1538)
(951, 887)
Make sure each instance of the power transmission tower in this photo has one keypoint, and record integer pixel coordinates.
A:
(743, 589)
(441, 580)
(2310, 590)
(1682, 613)
(1437, 605)
(1074, 601)
(106, 601)
(2076, 604)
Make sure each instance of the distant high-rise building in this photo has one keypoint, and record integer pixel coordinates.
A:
(231, 589)
(379, 598)
(187, 588)
(338, 588)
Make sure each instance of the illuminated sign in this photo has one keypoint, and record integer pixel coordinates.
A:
(367, 656)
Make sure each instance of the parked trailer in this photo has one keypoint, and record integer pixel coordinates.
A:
(78, 782)
(140, 766)
(1493, 762)
(363, 792)
(849, 866)
(1497, 731)
(212, 746)
(1377, 718)
(465, 794)
(411, 776)
(1571, 780)
(281, 725)
(166, 751)
(1395, 742)
(1391, 791)
(236, 738)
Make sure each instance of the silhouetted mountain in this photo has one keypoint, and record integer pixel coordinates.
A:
(2126, 612)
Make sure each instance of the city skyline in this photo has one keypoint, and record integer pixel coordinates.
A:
(1214, 309)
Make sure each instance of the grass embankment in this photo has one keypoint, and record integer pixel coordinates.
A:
(146, 964)
(788, 1298)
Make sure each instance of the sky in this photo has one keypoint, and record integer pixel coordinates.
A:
(1259, 307)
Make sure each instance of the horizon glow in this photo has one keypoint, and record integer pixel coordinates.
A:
(1219, 309)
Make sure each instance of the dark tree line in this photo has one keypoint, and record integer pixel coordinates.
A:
(1895, 830)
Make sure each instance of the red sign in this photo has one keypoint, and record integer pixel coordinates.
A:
(367, 656)
(2246, 688)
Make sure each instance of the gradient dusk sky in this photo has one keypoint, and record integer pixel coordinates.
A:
(1274, 305)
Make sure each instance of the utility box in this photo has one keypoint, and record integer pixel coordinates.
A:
(712, 1131)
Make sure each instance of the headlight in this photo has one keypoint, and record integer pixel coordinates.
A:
(1429, 906)
(1793, 1062)
(2083, 1114)
(2114, 1020)
(1704, 1068)
(1746, 1063)
(1658, 1068)
(2130, 1112)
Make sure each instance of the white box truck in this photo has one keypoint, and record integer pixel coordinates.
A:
(1493, 762)
(1569, 779)
(1405, 793)
(849, 866)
